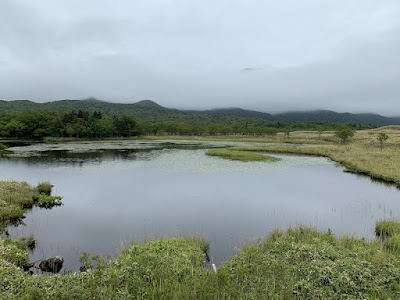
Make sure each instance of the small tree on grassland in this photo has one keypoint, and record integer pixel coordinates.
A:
(382, 137)
(320, 129)
(344, 133)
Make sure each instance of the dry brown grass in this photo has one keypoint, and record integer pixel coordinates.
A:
(361, 155)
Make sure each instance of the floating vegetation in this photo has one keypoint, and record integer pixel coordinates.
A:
(240, 155)
(96, 146)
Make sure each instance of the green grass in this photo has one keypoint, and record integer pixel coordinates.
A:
(308, 264)
(387, 228)
(44, 188)
(392, 243)
(389, 232)
(240, 155)
(17, 197)
(300, 263)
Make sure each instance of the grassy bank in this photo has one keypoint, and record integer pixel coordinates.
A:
(301, 263)
(357, 158)
(17, 197)
(361, 155)
(240, 155)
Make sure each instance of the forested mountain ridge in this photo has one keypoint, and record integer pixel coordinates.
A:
(151, 111)
(236, 111)
(331, 116)
(307, 116)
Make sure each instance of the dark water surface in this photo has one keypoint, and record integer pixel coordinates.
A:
(116, 192)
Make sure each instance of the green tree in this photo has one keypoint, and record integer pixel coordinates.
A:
(344, 133)
(271, 131)
(382, 137)
(15, 128)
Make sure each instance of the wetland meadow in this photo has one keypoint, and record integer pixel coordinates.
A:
(125, 200)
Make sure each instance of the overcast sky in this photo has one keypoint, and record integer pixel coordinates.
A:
(267, 55)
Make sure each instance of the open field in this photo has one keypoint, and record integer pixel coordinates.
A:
(298, 137)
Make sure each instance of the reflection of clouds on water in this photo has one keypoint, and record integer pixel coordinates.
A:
(161, 155)
(93, 146)
(112, 195)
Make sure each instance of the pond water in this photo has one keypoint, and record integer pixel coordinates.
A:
(115, 192)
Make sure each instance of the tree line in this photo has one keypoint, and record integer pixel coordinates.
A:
(83, 124)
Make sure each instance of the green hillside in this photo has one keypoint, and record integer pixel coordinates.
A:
(153, 112)
(331, 116)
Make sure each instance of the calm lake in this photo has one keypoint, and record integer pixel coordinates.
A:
(118, 191)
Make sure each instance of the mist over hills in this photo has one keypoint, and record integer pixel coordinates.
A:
(150, 110)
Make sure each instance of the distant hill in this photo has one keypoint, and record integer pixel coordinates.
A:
(150, 110)
(307, 116)
(145, 108)
(331, 116)
(235, 111)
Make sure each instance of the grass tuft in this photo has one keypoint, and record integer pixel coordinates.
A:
(387, 228)
(44, 188)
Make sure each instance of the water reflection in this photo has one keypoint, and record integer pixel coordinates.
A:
(117, 195)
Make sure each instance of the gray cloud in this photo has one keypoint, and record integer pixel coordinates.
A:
(310, 54)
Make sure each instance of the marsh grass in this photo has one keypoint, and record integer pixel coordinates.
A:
(44, 188)
(362, 154)
(240, 155)
(387, 228)
(356, 157)
(301, 263)
(17, 197)
(389, 232)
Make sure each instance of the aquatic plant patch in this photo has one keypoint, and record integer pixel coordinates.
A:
(240, 155)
